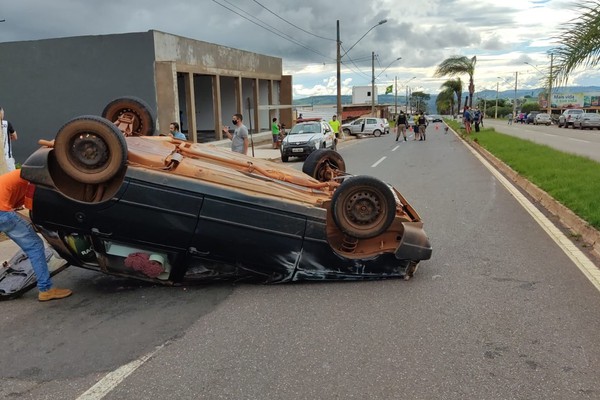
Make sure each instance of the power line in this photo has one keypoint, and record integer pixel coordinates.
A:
(270, 28)
(295, 26)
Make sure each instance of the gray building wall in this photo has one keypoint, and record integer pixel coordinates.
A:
(45, 83)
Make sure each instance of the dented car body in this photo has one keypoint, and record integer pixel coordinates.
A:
(171, 211)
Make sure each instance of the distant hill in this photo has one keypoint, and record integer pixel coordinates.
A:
(485, 94)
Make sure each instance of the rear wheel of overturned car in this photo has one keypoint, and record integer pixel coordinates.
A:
(131, 115)
(324, 165)
(90, 149)
(363, 207)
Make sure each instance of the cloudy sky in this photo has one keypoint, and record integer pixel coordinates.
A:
(504, 35)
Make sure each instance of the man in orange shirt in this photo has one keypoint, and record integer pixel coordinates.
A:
(12, 195)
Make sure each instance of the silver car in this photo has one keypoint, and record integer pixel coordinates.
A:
(587, 121)
(542, 118)
(366, 126)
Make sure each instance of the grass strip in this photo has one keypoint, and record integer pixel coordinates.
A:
(572, 180)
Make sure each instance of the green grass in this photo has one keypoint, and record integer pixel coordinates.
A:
(572, 180)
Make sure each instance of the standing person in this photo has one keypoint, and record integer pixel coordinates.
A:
(401, 123)
(174, 131)
(12, 196)
(510, 118)
(416, 126)
(477, 119)
(467, 117)
(8, 136)
(275, 131)
(239, 138)
(422, 126)
(335, 125)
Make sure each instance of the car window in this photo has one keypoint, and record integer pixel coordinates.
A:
(305, 128)
(358, 122)
(371, 121)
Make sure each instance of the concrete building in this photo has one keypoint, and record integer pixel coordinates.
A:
(45, 83)
(363, 95)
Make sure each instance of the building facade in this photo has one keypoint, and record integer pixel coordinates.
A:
(45, 83)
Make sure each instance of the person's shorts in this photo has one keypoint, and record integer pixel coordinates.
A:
(275, 138)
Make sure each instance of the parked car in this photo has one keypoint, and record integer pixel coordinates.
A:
(566, 118)
(169, 211)
(586, 121)
(366, 126)
(530, 119)
(306, 137)
(434, 118)
(542, 118)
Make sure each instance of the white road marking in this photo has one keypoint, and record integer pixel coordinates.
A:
(396, 148)
(114, 378)
(579, 140)
(577, 256)
(378, 162)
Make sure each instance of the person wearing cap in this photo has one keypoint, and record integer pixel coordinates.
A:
(12, 196)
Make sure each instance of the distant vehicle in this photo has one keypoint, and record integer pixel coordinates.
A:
(542, 118)
(531, 117)
(567, 117)
(434, 118)
(366, 126)
(306, 137)
(586, 121)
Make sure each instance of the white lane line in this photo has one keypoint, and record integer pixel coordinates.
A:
(114, 378)
(378, 162)
(396, 148)
(579, 140)
(577, 256)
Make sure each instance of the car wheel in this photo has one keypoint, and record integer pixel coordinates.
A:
(363, 207)
(131, 115)
(324, 165)
(376, 133)
(90, 149)
(347, 132)
(285, 158)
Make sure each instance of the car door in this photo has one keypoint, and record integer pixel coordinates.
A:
(240, 234)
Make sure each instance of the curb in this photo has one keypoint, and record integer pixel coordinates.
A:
(566, 217)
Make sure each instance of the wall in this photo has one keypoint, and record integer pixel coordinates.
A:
(45, 83)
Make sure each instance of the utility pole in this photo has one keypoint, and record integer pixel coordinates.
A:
(550, 86)
(496, 111)
(515, 99)
(373, 83)
(395, 96)
(339, 75)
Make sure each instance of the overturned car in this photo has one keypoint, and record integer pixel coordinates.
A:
(170, 211)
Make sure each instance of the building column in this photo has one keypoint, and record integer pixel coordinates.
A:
(255, 92)
(190, 106)
(216, 90)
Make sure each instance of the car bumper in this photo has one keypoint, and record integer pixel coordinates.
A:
(414, 245)
(297, 150)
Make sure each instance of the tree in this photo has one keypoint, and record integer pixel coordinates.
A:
(418, 101)
(579, 42)
(445, 102)
(458, 65)
(456, 86)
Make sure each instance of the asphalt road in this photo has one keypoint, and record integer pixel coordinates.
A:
(575, 141)
(499, 312)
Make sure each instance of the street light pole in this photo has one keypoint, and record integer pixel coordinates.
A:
(395, 96)
(549, 104)
(339, 62)
(496, 110)
(373, 83)
(515, 99)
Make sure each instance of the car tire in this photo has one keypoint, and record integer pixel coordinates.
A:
(324, 165)
(376, 133)
(347, 132)
(143, 120)
(363, 207)
(90, 149)
(285, 158)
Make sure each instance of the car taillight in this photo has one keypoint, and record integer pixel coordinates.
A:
(28, 202)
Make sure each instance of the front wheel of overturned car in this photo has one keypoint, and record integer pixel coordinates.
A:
(90, 149)
(324, 165)
(131, 114)
(363, 207)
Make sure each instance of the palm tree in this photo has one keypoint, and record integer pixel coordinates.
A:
(458, 65)
(445, 101)
(455, 87)
(579, 42)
